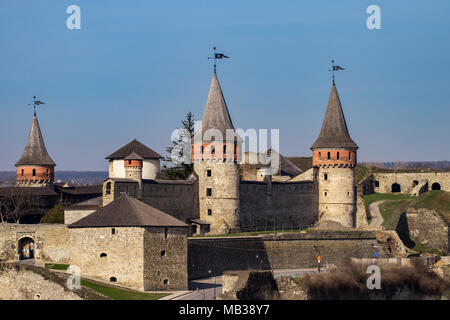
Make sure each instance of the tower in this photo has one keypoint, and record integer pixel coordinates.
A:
(334, 160)
(35, 167)
(214, 152)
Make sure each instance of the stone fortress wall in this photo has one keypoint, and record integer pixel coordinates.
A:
(407, 181)
(280, 205)
(280, 251)
(51, 241)
(177, 198)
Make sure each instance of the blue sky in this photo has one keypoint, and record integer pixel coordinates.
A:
(137, 67)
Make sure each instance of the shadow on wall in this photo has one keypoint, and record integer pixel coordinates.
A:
(402, 229)
(215, 256)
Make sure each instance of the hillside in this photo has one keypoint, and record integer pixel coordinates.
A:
(395, 205)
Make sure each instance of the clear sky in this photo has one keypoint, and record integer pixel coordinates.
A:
(137, 67)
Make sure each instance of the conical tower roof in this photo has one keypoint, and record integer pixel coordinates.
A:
(35, 152)
(216, 115)
(334, 133)
(139, 149)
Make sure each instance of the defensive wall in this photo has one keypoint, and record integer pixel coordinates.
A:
(277, 251)
(283, 205)
(405, 182)
(50, 241)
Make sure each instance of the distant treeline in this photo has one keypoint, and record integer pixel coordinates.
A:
(73, 178)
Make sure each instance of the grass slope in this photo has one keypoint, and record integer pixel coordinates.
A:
(121, 294)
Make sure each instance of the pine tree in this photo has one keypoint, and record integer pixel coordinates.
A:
(183, 170)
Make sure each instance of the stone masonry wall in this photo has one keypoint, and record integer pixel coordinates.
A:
(22, 284)
(427, 225)
(124, 251)
(51, 241)
(406, 180)
(165, 259)
(279, 205)
(282, 251)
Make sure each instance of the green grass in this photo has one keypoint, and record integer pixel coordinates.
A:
(57, 266)
(419, 246)
(437, 200)
(251, 233)
(121, 294)
(393, 207)
(362, 172)
(391, 211)
(374, 197)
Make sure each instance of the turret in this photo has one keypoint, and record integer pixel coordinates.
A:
(120, 161)
(214, 153)
(35, 167)
(334, 160)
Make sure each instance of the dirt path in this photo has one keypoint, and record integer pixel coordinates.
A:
(374, 210)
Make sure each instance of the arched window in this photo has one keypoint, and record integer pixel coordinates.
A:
(103, 255)
(213, 149)
(320, 155)
(113, 279)
(21, 173)
(163, 253)
(329, 155)
(337, 155)
(108, 188)
(225, 149)
(201, 149)
(34, 172)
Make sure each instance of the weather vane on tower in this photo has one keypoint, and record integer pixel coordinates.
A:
(35, 104)
(217, 56)
(334, 68)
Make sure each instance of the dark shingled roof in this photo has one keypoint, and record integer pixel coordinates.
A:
(95, 189)
(35, 152)
(27, 191)
(127, 211)
(334, 133)
(289, 168)
(216, 115)
(135, 147)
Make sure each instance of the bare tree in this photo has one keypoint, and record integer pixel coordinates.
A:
(14, 201)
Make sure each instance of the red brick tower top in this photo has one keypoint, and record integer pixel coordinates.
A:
(35, 167)
(334, 147)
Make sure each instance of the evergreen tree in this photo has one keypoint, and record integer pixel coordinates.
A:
(182, 170)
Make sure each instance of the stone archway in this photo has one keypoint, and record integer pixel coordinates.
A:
(26, 248)
(436, 186)
(396, 188)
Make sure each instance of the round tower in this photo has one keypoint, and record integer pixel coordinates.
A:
(334, 160)
(35, 167)
(214, 152)
(133, 167)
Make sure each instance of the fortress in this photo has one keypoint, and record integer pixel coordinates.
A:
(225, 196)
(136, 232)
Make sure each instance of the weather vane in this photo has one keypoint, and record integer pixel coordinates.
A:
(35, 104)
(217, 56)
(334, 68)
